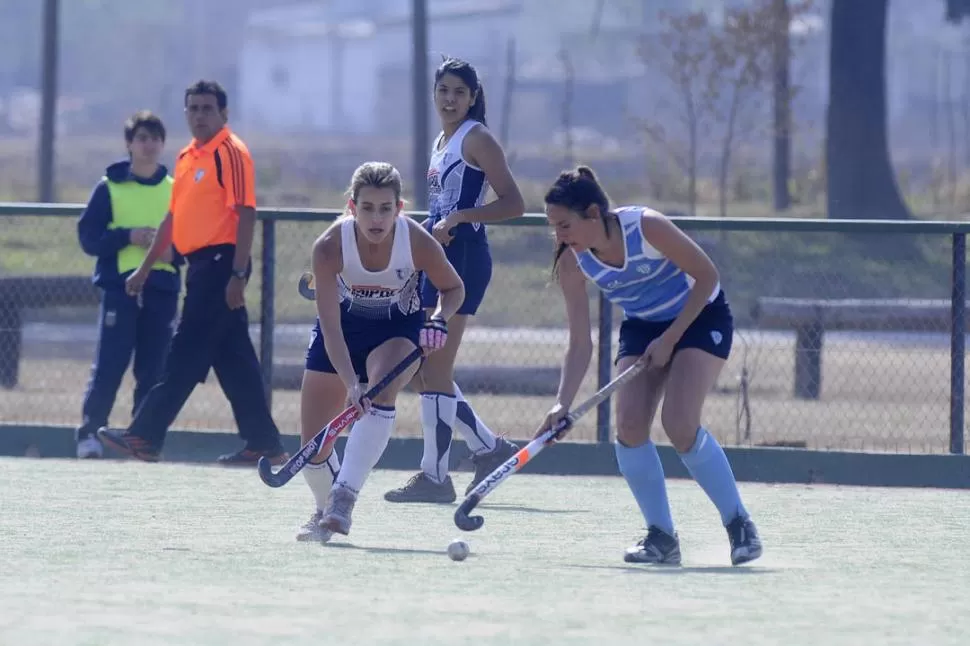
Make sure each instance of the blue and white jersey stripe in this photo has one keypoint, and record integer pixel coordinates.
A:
(648, 286)
(454, 184)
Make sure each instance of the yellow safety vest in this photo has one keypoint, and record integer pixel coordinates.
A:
(134, 206)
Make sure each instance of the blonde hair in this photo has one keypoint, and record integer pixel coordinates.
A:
(376, 174)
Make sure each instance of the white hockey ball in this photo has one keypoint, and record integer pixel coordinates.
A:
(458, 550)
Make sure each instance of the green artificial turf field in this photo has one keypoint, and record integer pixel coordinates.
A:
(105, 553)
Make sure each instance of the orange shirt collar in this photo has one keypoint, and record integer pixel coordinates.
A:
(210, 146)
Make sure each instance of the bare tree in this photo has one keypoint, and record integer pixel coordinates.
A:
(741, 66)
(507, 95)
(681, 53)
(569, 80)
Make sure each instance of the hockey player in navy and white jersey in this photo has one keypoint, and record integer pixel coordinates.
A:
(676, 320)
(466, 160)
(367, 267)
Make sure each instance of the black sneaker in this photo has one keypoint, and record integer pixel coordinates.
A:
(488, 462)
(657, 547)
(421, 488)
(130, 444)
(745, 543)
(247, 457)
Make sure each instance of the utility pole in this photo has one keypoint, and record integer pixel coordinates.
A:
(48, 113)
(420, 91)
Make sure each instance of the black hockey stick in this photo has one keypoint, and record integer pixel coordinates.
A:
(306, 286)
(464, 521)
(295, 464)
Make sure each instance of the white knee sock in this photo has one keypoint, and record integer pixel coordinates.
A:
(437, 421)
(320, 478)
(367, 441)
(479, 438)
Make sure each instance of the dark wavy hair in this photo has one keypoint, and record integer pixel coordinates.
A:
(577, 190)
(469, 76)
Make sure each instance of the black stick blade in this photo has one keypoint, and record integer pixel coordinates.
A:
(463, 521)
(306, 287)
(265, 468)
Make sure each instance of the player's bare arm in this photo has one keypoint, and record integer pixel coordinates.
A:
(429, 257)
(580, 348)
(482, 150)
(327, 263)
(579, 351)
(245, 230)
(677, 247)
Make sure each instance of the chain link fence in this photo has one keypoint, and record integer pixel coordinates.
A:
(842, 338)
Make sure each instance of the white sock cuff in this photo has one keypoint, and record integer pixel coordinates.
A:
(383, 412)
(332, 463)
(434, 394)
(320, 477)
(365, 445)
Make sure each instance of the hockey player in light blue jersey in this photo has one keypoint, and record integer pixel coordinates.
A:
(676, 320)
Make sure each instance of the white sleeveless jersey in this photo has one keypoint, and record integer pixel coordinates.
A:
(378, 295)
(453, 183)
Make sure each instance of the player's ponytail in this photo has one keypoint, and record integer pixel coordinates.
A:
(477, 111)
(577, 190)
(469, 76)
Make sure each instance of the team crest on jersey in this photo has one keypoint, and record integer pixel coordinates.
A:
(199, 174)
(402, 273)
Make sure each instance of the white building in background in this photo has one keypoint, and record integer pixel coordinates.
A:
(345, 66)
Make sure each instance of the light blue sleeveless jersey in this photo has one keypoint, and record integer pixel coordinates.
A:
(647, 286)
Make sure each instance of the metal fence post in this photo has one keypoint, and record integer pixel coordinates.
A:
(958, 331)
(267, 314)
(605, 367)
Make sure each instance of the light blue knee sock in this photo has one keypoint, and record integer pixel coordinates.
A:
(709, 467)
(645, 475)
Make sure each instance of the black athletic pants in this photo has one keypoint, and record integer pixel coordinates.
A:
(210, 335)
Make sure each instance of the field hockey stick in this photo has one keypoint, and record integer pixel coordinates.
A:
(468, 523)
(295, 464)
(305, 286)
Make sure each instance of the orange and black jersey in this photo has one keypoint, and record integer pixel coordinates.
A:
(211, 181)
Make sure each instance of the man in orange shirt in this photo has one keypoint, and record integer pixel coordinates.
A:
(211, 219)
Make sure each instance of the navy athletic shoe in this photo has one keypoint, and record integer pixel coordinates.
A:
(657, 547)
(130, 444)
(488, 462)
(745, 543)
(421, 488)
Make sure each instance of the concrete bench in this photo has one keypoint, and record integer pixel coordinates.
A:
(810, 318)
(18, 293)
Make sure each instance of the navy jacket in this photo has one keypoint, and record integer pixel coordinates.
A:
(103, 243)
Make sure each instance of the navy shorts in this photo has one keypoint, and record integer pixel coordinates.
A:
(472, 260)
(712, 331)
(362, 336)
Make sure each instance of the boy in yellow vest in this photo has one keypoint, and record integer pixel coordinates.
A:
(117, 227)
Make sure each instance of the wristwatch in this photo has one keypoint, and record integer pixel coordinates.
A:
(239, 273)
